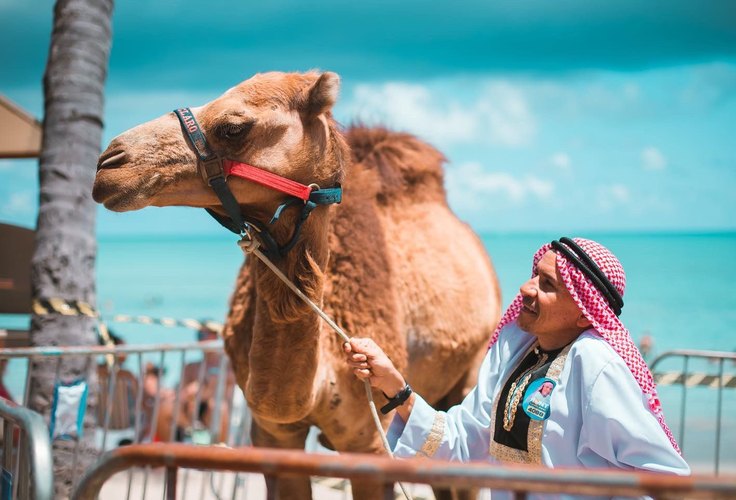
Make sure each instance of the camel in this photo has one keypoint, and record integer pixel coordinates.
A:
(391, 262)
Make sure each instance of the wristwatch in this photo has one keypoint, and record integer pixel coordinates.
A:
(397, 400)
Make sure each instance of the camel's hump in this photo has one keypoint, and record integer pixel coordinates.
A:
(406, 165)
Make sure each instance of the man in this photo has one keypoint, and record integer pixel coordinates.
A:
(562, 331)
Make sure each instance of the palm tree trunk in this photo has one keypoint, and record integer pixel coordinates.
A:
(63, 264)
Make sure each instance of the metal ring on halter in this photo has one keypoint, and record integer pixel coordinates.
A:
(248, 243)
(314, 186)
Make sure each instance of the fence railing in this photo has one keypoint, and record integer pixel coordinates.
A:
(26, 454)
(519, 479)
(151, 393)
(718, 372)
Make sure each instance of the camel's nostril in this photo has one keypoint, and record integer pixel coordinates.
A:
(109, 160)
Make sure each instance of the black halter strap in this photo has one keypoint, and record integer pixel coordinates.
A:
(211, 169)
(582, 261)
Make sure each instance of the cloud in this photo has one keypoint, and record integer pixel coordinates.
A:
(710, 85)
(506, 111)
(620, 193)
(604, 95)
(499, 114)
(539, 188)
(612, 196)
(414, 108)
(653, 159)
(471, 181)
(561, 161)
(21, 203)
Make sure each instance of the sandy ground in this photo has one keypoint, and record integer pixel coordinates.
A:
(139, 484)
(192, 484)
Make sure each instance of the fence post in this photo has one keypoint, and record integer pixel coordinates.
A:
(171, 474)
(34, 477)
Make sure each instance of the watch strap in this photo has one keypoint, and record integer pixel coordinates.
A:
(397, 400)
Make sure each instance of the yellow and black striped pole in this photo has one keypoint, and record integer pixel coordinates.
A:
(56, 305)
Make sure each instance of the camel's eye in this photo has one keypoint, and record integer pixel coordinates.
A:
(233, 131)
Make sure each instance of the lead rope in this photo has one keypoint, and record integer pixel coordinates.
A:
(250, 245)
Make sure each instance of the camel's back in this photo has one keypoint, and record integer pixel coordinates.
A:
(401, 168)
(415, 267)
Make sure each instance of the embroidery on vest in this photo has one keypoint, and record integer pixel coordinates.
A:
(533, 452)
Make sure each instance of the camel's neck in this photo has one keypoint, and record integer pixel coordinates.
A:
(284, 353)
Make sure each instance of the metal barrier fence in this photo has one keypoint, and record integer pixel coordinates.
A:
(186, 392)
(716, 373)
(26, 454)
(152, 393)
(519, 479)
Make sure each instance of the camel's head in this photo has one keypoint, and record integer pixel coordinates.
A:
(280, 122)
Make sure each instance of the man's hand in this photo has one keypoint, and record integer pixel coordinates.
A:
(370, 362)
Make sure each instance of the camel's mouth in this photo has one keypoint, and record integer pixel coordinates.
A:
(118, 191)
(117, 203)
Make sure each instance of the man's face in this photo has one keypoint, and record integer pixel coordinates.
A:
(546, 388)
(549, 312)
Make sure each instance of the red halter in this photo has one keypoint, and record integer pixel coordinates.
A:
(266, 178)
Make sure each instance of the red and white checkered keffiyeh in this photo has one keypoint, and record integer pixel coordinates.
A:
(596, 309)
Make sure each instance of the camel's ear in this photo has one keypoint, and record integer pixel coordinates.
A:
(323, 94)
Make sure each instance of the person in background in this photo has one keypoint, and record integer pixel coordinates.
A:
(4, 392)
(198, 399)
(154, 393)
(121, 405)
(646, 346)
(563, 326)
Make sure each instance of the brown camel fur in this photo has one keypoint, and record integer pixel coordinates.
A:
(392, 262)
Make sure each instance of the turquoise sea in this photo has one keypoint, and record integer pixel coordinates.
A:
(677, 292)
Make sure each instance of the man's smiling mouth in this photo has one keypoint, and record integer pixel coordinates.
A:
(528, 309)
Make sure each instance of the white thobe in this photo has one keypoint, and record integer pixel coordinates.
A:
(599, 417)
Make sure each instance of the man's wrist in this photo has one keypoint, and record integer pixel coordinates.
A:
(399, 399)
(394, 389)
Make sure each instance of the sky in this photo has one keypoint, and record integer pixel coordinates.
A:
(567, 116)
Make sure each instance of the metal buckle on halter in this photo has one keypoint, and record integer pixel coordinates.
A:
(211, 169)
(248, 243)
